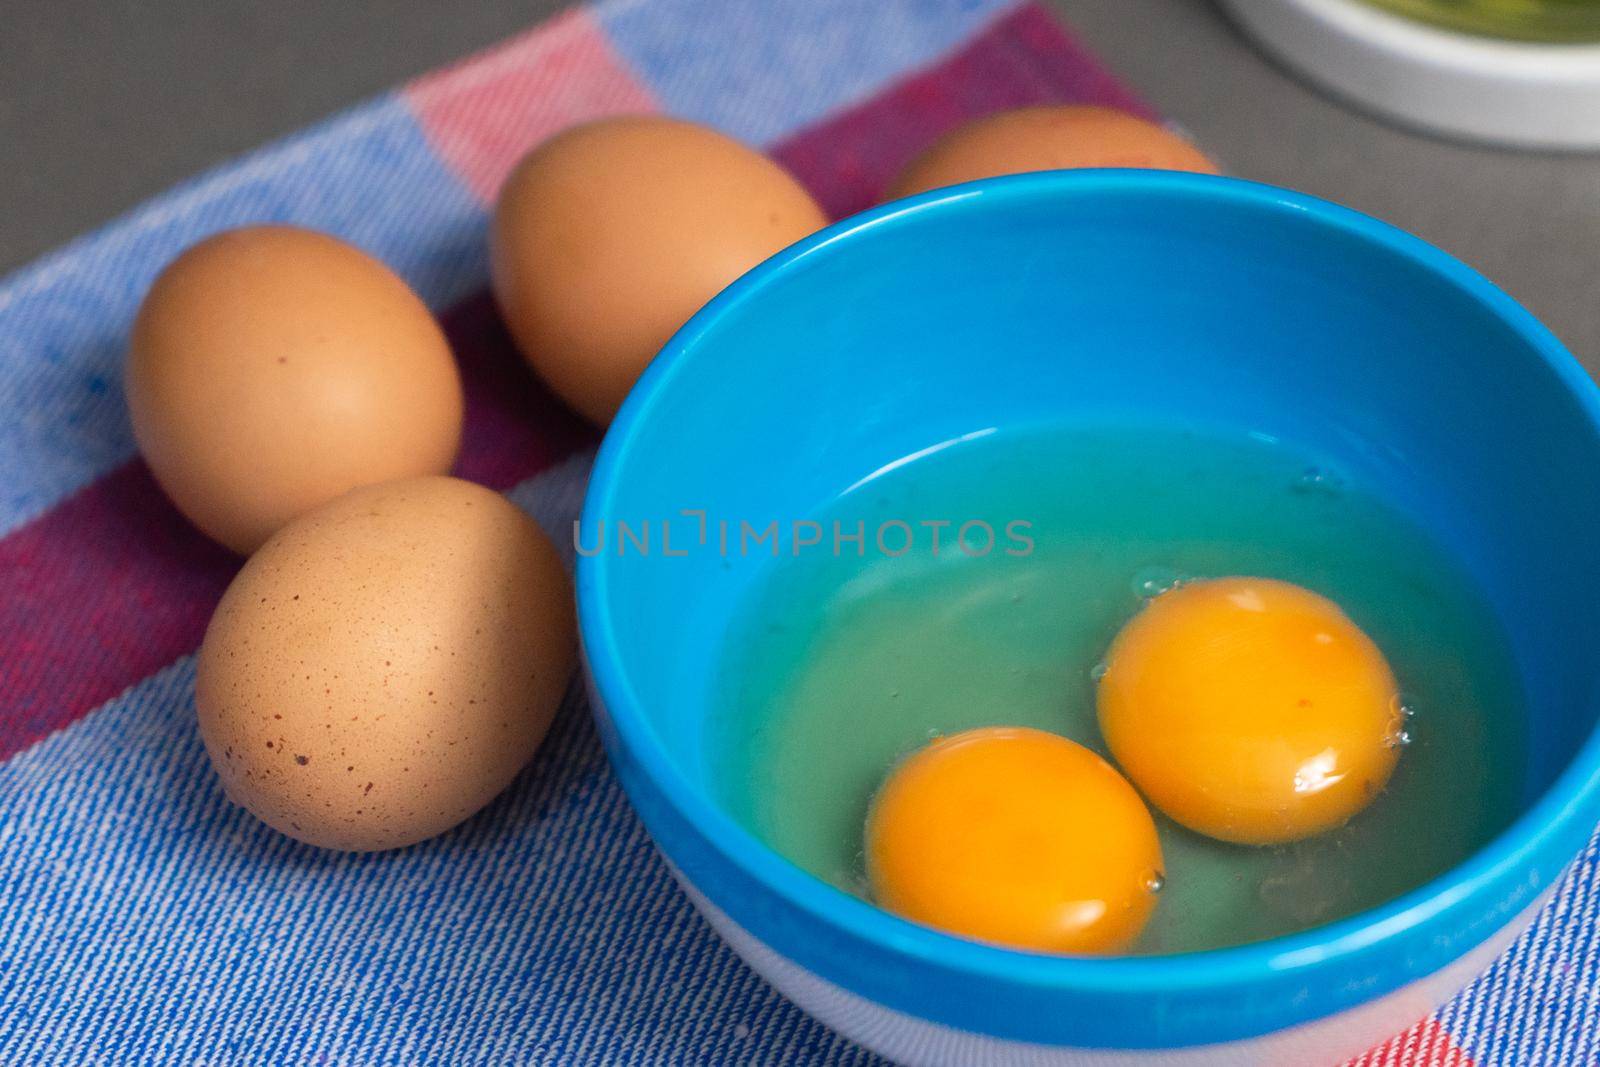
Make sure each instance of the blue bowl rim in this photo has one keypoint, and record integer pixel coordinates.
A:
(1538, 827)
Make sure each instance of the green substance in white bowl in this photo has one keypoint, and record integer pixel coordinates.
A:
(843, 665)
(1553, 21)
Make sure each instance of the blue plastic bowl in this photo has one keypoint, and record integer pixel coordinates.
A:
(1078, 295)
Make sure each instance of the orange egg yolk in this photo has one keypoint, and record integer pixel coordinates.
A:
(1017, 837)
(1250, 710)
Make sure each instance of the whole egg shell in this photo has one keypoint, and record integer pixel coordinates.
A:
(1050, 137)
(272, 368)
(386, 664)
(609, 236)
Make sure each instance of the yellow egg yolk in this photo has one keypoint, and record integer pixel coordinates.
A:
(1017, 837)
(1250, 710)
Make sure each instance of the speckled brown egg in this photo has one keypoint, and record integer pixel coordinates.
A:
(1049, 137)
(386, 663)
(272, 368)
(610, 235)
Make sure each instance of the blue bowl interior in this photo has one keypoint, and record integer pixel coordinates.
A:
(1138, 303)
(1089, 296)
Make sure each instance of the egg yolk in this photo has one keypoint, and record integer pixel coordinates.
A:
(1018, 837)
(1250, 710)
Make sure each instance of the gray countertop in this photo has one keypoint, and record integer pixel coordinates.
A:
(102, 105)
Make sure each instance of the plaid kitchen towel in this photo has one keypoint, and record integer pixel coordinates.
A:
(145, 919)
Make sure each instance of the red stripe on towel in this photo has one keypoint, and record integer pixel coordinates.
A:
(113, 584)
(1426, 1044)
(483, 113)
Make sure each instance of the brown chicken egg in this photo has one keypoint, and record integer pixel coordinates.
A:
(386, 663)
(1051, 137)
(273, 368)
(609, 236)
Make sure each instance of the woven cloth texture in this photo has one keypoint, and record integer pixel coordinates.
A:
(145, 919)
